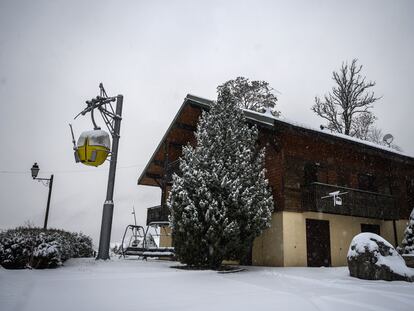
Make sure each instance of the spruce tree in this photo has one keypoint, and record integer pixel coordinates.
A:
(220, 201)
(407, 246)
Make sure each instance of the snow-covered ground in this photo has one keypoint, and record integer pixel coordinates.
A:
(86, 284)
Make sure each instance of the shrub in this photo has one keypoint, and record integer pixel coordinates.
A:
(82, 245)
(37, 248)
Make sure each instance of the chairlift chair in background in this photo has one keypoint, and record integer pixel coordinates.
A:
(145, 243)
(134, 241)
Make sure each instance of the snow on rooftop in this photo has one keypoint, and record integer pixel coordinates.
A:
(267, 115)
(326, 132)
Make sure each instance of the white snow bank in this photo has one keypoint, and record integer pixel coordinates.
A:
(366, 241)
(130, 285)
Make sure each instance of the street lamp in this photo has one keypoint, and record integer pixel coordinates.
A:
(49, 182)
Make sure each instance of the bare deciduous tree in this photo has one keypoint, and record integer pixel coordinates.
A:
(253, 95)
(376, 135)
(363, 124)
(347, 107)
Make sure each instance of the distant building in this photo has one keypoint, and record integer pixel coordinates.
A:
(305, 168)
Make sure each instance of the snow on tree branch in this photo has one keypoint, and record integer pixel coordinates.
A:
(347, 108)
(253, 95)
(220, 201)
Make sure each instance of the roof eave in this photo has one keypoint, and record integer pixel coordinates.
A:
(189, 99)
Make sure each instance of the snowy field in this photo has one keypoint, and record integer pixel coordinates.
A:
(86, 284)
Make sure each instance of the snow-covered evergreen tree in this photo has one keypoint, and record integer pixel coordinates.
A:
(221, 200)
(254, 95)
(407, 246)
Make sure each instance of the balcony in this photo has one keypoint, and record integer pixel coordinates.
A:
(355, 202)
(157, 213)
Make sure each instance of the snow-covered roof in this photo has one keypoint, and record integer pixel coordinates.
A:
(269, 119)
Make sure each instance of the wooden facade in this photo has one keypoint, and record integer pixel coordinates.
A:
(303, 165)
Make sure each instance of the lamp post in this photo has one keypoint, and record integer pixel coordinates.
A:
(49, 182)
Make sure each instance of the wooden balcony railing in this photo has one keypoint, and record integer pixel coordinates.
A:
(354, 203)
(157, 213)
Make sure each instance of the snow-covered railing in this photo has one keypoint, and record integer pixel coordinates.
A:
(355, 202)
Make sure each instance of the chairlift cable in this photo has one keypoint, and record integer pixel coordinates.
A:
(68, 171)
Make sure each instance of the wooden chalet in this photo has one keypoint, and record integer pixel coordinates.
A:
(311, 226)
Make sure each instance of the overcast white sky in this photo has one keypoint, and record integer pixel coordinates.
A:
(53, 54)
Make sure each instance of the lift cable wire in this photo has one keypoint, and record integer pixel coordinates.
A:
(67, 171)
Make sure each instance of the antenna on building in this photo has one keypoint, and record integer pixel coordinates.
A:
(388, 139)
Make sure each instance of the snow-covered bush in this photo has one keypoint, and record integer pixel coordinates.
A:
(220, 201)
(17, 248)
(407, 246)
(82, 245)
(34, 247)
(46, 255)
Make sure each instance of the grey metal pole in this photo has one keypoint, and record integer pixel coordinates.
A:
(48, 201)
(108, 207)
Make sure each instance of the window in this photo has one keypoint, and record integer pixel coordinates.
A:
(367, 182)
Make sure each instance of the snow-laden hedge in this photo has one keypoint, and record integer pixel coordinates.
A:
(37, 248)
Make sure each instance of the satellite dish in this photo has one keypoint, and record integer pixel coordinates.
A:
(388, 139)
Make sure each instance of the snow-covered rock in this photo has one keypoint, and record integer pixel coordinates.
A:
(373, 258)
